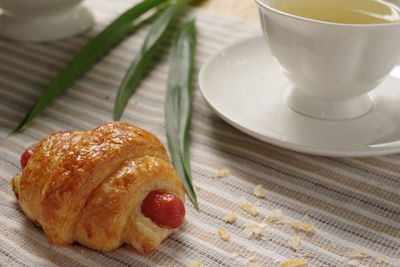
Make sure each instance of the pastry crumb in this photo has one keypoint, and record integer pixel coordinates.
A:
(249, 207)
(194, 264)
(382, 259)
(275, 216)
(250, 249)
(251, 262)
(223, 234)
(304, 227)
(306, 255)
(297, 262)
(253, 229)
(295, 242)
(259, 191)
(230, 217)
(233, 255)
(354, 263)
(358, 254)
(222, 173)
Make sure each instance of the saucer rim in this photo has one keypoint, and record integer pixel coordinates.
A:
(384, 148)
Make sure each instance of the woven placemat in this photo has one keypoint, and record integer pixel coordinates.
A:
(353, 203)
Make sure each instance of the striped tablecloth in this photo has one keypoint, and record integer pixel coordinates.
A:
(354, 203)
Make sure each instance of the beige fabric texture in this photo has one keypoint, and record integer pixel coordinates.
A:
(353, 203)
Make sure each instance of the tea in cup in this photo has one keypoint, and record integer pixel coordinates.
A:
(341, 11)
(335, 52)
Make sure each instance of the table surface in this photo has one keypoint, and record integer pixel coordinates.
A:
(246, 9)
(353, 203)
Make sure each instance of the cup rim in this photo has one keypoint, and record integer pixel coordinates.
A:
(262, 4)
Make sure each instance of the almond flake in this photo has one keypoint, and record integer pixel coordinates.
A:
(194, 264)
(248, 207)
(230, 217)
(233, 255)
(222, 173)
(304, 227)
(295, 242)
(251, 262)
(259, 191)
(297, 262)
(275, 216)
(223, 234)
(253, 229)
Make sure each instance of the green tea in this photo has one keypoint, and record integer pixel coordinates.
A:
(342, 11)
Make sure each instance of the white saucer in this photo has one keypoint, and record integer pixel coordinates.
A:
(244, 86)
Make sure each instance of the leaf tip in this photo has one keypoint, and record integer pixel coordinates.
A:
(16, 130)
(195, 203)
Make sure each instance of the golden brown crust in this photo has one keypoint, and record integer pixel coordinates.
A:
(88, 186)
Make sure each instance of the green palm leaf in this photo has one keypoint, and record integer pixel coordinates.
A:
(150, 45)
(178, 105)
(105, 40)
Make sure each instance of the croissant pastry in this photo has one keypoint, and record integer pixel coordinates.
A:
(102, 188)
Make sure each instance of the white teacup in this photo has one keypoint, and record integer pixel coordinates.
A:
(43, 20)
(333, 67)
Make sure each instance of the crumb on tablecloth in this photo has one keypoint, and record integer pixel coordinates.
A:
(297, 262)
(223, 234)
(249, 207)
(251, 262)
(233, 255)
(275, 216)
(196, 263)
(358, 254)
(253, 229)
(304, 227)
(222, 173)
(259, 191)
(230, 217)
(295, 242)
